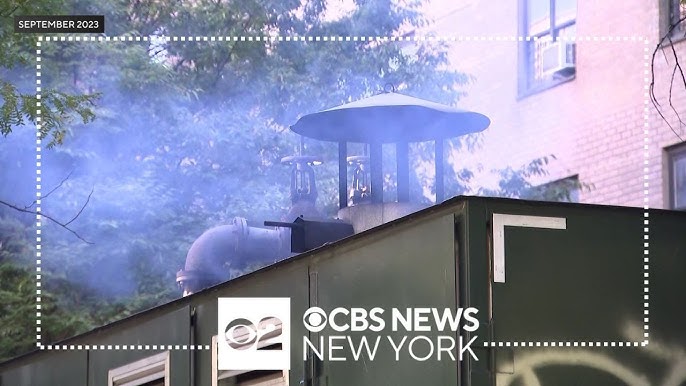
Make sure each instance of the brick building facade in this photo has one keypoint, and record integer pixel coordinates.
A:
(591, 118)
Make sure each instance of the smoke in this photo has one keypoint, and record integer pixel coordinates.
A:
(18, 178)
(162, 168)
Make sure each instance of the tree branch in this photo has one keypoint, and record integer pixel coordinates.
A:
(667, 38)
(82, 208)
(677, 65)
(27, 209)
(14, 9)
(65, 226)
(52, 191)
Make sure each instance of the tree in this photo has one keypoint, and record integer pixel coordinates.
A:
(18, 103)
(17, 86)
(18, 294)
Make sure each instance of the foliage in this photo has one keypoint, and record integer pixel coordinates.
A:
(18, 294)
(19, 107)
(516, 183)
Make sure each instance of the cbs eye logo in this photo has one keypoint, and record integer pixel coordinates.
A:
(315, 319)
(243, 334)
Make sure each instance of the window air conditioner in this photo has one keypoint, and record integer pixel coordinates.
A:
(558, 59)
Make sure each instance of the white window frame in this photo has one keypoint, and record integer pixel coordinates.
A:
(546, 35)
(148, 369)
(271, 339)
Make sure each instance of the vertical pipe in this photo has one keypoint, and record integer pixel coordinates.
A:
(375, 154)
(192, 342)
(403, 171)
(440, 188)
(342, 175)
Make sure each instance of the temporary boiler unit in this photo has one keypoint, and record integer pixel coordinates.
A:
(567, 294)
(386, 118)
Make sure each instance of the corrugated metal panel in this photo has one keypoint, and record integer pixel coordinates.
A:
(284, 281)
(585, 285)
(582, 283)
(59, 368)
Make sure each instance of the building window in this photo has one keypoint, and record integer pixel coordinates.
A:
(246, 377)
(548, 58)
(677, 12)
(677, 176)
(151, 371)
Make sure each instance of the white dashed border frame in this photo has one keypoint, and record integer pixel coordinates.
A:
(646, 140)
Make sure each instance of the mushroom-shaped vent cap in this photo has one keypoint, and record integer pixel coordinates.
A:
(388, 118)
